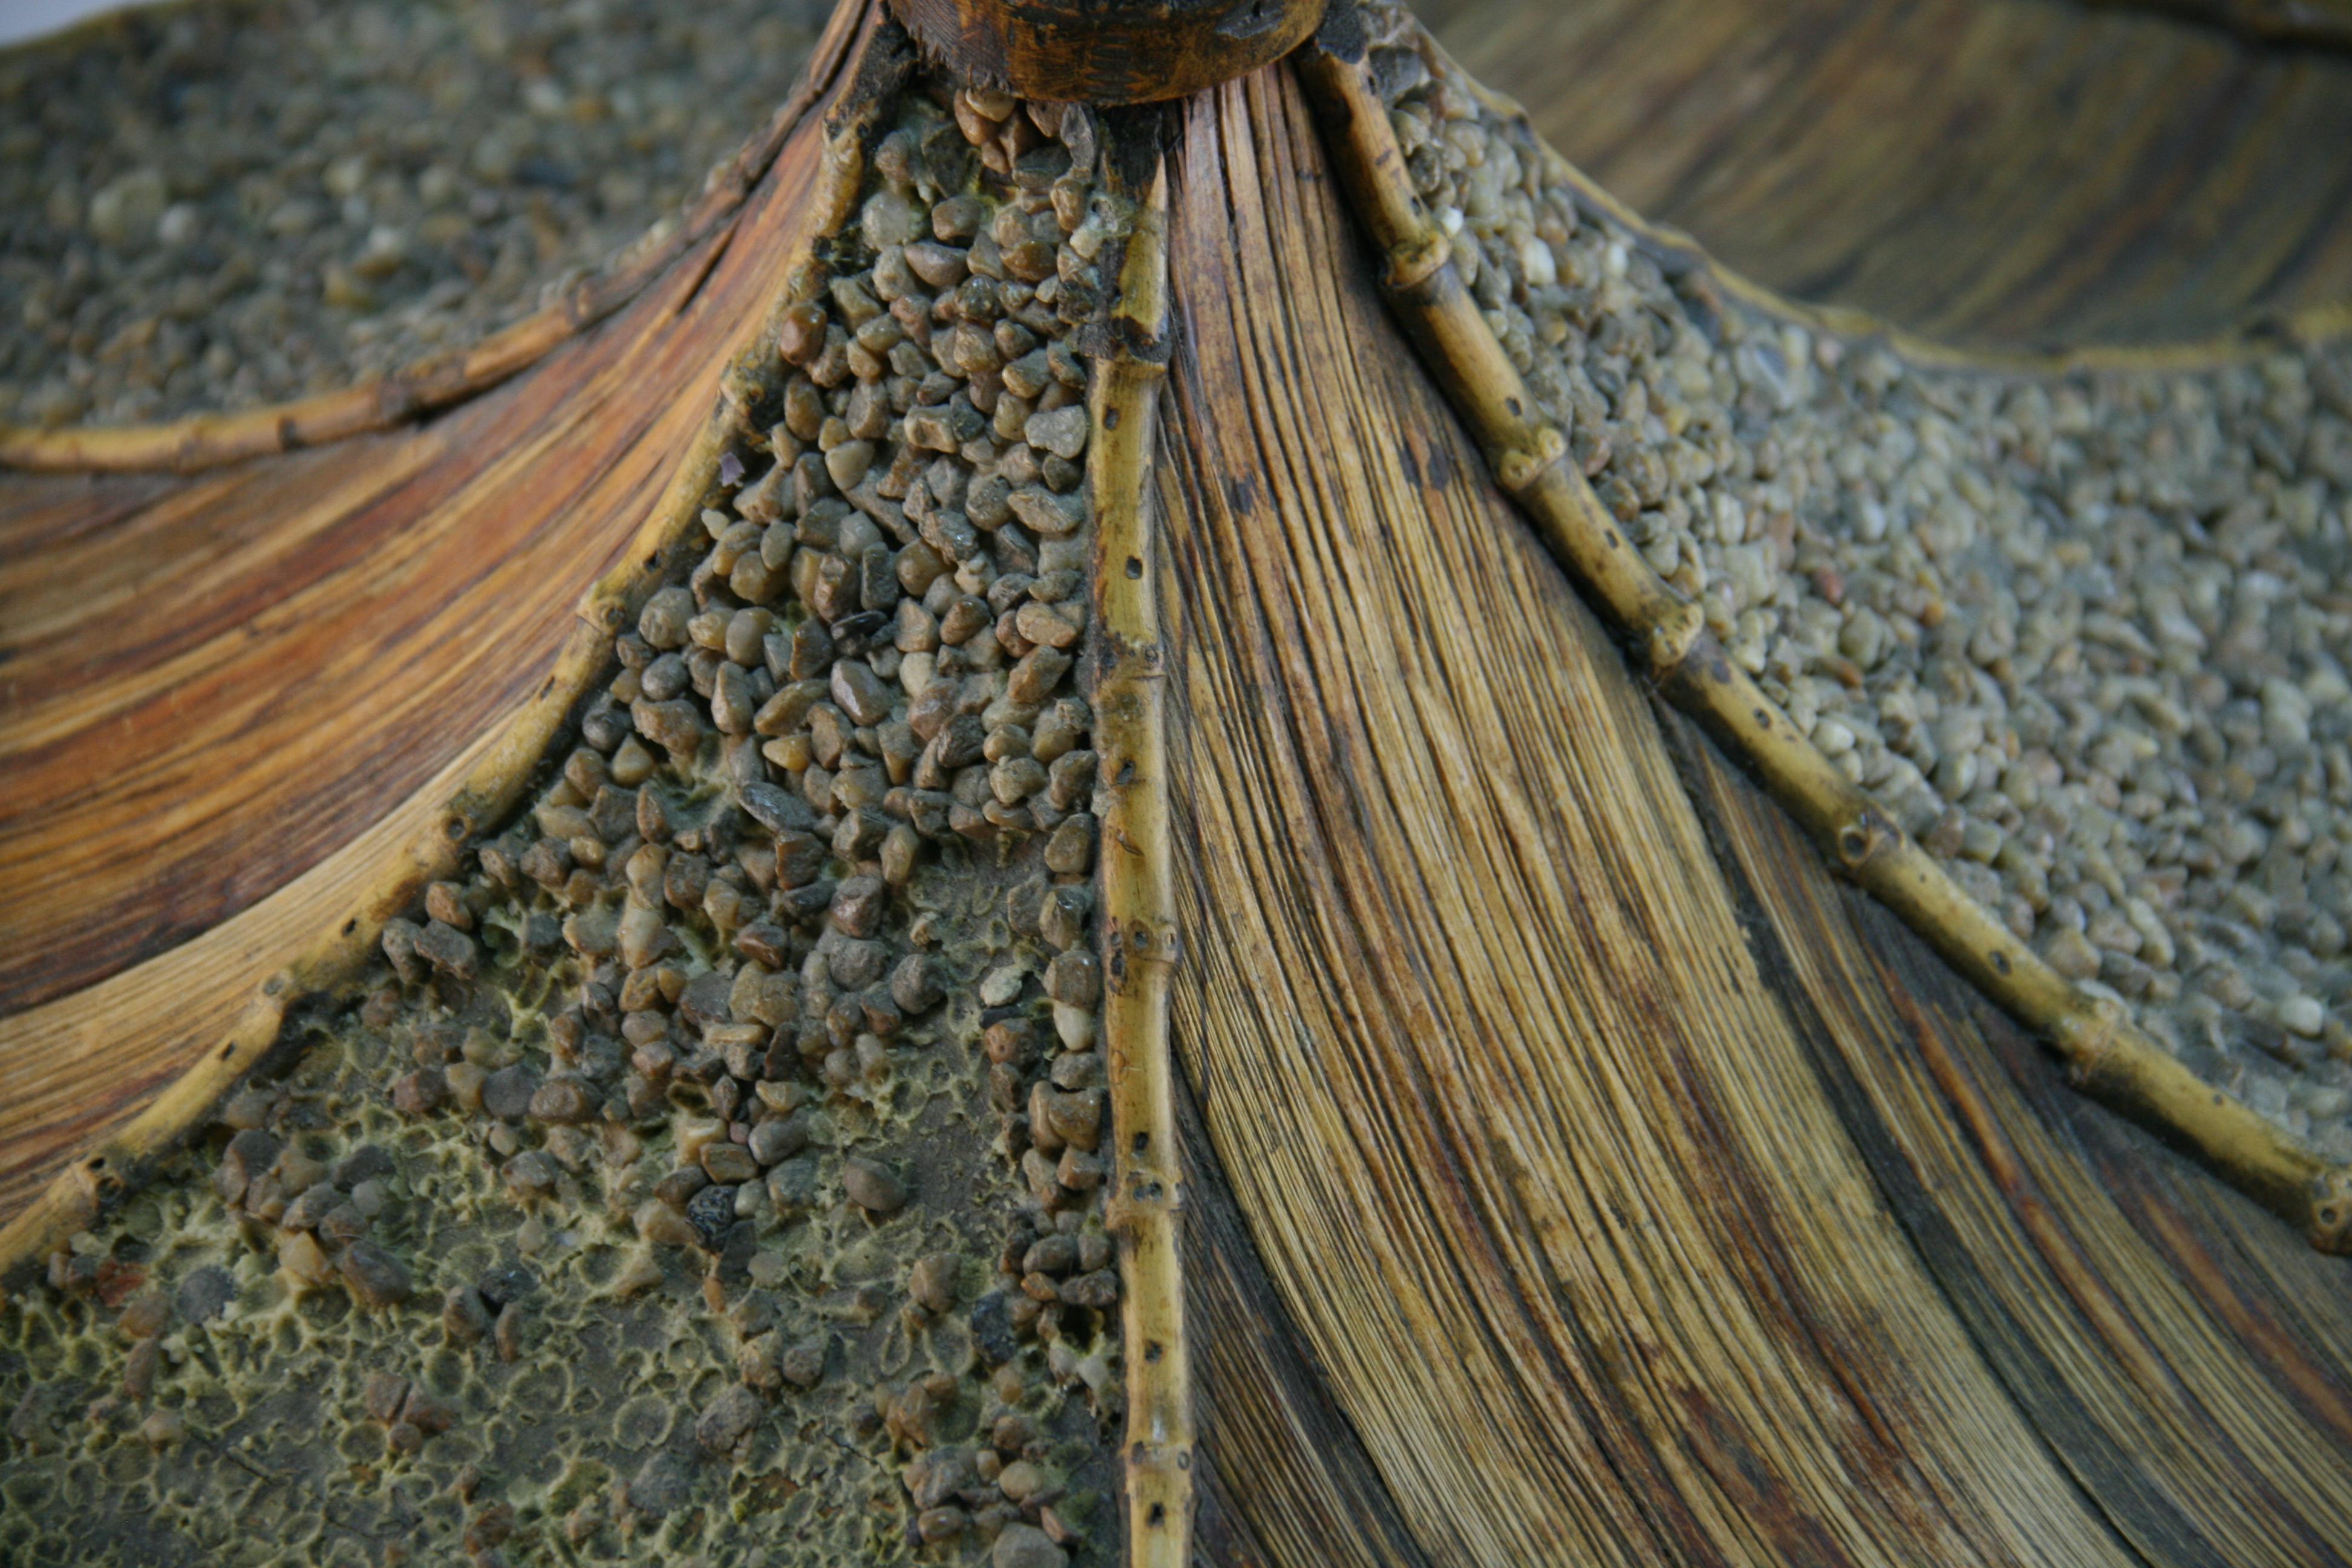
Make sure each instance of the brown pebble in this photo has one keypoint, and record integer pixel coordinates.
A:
(139, 1370)
(1075, 978)
(727, 1419)
(564, 1099)
(420, 1093)
(426, 1412)
(1033, 678)
(932, 1281)
(508, 1333)
(447, 949)
(729, 1163)
(1098, 1290)
(146, 1316)
(872, 1186)
(506, 1093)
(778, 1138)
(942, 1523)
(804, 1364)
(1020, 1545)
(375, 1277)
(531, 1174)
(383, 1395)
(163, 1429)
(759, 1361)
(464, 1320)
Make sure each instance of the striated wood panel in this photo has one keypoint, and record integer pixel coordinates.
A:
(2181, 1349)
(1537, 1162)
(2009, 173)
(227, 701)
(1283, 1478)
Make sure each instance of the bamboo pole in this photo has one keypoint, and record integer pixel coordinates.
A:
(2106, 1054)
(1140, 936)
(437, 380)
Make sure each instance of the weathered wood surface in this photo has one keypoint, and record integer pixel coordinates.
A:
(2008, 173)
(230, 700)
(1551, 1164)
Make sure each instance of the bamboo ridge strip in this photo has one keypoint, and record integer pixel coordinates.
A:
(1140, 943)
(434, 381)
(2108, 1054)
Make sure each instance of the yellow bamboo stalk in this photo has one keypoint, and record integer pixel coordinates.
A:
(2106, 1054)
(1139, 938)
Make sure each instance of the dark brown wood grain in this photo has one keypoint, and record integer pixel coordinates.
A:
(2019, 174)
(2310, 23)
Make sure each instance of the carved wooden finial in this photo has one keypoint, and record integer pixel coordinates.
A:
(1108, 52)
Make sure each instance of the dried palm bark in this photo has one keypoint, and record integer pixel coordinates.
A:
(1527, 1153)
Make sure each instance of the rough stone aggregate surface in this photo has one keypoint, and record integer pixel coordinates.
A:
(2088, 637)
(233, 201)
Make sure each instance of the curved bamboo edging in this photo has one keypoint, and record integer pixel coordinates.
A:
(1140, 943)
(434, 381)
(2107, 1056)
(73, 1200)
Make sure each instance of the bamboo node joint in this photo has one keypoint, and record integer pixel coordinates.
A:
(2331, 1211)
(1519, 467)
(1672, 640)
(1863, 837)
(1414, 261)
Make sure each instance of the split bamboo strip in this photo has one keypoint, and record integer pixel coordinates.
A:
(1139, 938)
(2107, 1055)
(437, 379)
(73, 1200)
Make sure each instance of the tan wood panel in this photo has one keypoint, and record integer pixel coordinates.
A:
(1534, 1159)
(2013, 173)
